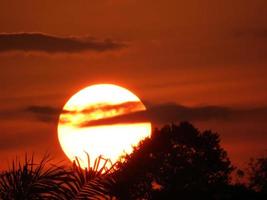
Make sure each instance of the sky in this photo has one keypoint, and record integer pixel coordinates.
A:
(198, 60)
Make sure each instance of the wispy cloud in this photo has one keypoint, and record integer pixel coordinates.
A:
(44, 113)
(104, 110)
(165, 113)
(54, 44)
(157, 114)
(125, 107)
(50, 114)
(172, 113)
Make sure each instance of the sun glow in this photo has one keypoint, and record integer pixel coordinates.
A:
(103, 101)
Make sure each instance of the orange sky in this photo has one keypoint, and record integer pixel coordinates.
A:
(192, 53)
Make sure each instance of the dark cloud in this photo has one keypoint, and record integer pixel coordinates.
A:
(50, 114)
(44, 113)
(127, 107)
(157, 114)
(171, 113)
(166, 113)
(53, 44)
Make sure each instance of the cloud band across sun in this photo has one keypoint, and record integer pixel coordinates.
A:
(157, 114)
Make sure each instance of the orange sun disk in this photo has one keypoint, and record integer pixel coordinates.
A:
(110, 141)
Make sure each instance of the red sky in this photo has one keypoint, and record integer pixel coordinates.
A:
(191, 53)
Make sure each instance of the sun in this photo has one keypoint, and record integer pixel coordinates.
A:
(82, 128)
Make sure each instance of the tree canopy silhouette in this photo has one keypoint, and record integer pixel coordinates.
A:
(177, 161)
(258, 174)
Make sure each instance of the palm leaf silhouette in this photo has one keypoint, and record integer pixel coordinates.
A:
(32, 181)
(27, 180)
(92, 182)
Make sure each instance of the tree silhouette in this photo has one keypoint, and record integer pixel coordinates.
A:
(258, 174)
(178, 161)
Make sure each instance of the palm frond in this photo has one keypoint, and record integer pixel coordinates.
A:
(92, 182)
(29, 180)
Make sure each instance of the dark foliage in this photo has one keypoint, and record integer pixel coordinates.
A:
(32, 181)
(92, 183)
(27, 180)
(258, 174)
(178, 161)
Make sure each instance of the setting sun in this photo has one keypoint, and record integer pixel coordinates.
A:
(77, 137)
